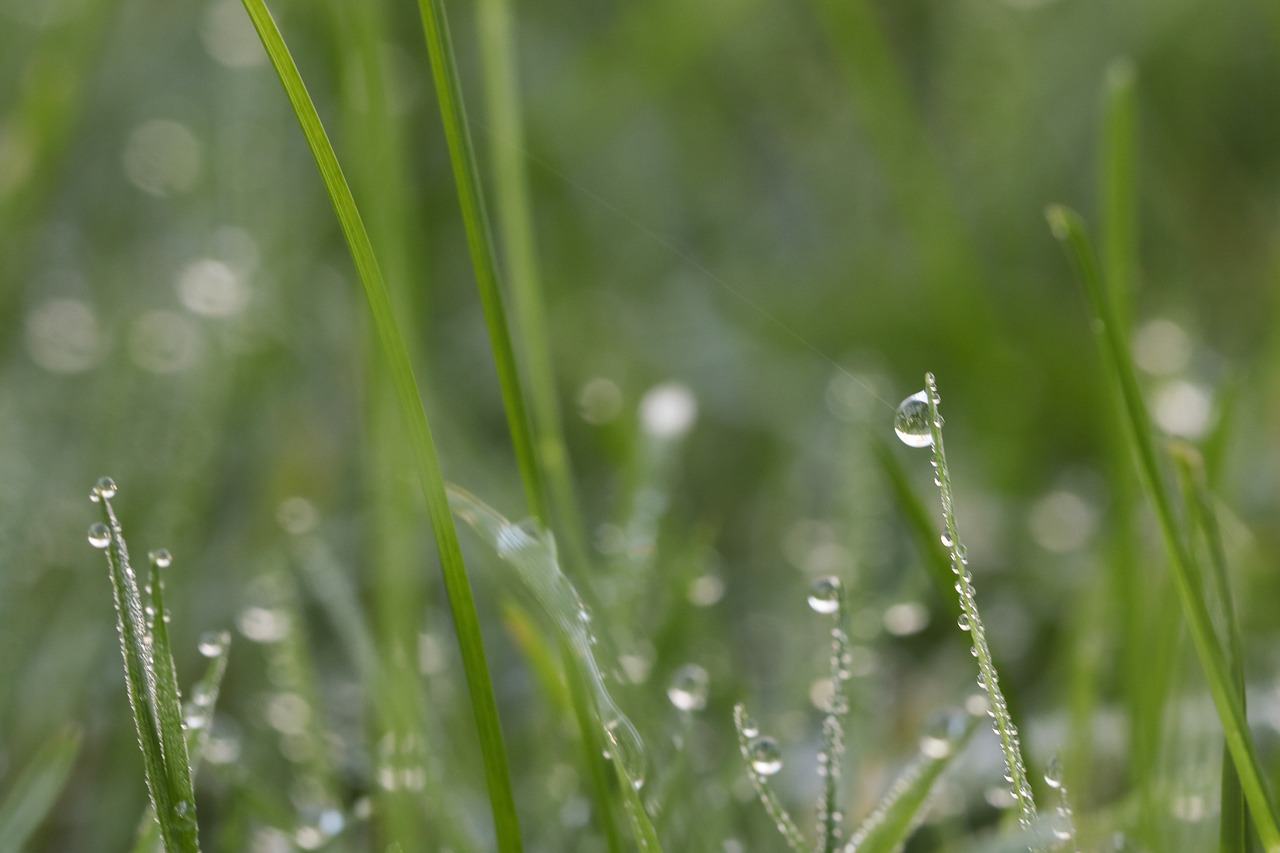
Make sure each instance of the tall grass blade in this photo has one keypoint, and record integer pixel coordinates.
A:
(169, 786)
(1229, 702)
(449, 93)
(514, 218)
(457, 586)
(900, 812)
(599, 771)
(748, 744)
(36, 789)
(831, 759)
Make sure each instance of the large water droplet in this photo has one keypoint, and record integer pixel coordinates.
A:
(963, 622)
(688, 689)
(824, 594)
(1053, 772)
(162, 558)
(104, 488)
(766, 756)
(99, 535)
(911, 422)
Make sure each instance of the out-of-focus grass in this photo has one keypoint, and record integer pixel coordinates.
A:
(179, 310)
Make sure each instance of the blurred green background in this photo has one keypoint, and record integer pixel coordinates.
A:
(793, 210)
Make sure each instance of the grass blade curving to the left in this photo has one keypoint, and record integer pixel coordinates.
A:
(1227, 699)
(164, 748)
(36, 789)
(483, 257)
(457, 585)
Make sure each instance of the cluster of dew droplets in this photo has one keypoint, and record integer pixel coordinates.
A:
(763, 758)
(918, 424)
(826, 598)
(1063, 826)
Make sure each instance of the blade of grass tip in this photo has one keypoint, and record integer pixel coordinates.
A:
(759, 767)
(37, 788)
(1119, 216)
(903, 807)
(168, 698)
(1069, 229)
(936, 559)
(457, 585)
(1234, 820)
(177, 828)
(480, 240)
(515, 228)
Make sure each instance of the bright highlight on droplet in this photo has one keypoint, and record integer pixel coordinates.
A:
(104, 488)
(824, 595)
(99, 535)
(940, 735)
(214, 643)
(911, 421)
(766, 756)
(688, 689)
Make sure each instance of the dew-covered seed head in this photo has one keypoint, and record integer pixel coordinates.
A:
(911, 421)
(824, 595)
(99, 535)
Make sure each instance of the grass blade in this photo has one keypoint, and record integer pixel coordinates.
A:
(449, 93)
(457, 586)
(1229, 702)
(170, 795)
(902, 809)
(748, 738)
(36, 789)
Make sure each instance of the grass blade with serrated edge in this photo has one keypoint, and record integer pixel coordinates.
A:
(1234, 820)
(1068, 228)
(515, 227)
(36, 789)
(902, 808)
(168, 698)
(480, 240)
(178, 831)
(457, 586)
(772, 805)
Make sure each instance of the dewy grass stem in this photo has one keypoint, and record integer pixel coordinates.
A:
(1228, 700)
(457, 585)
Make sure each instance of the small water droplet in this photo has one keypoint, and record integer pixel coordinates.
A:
(963, 622)
(824, 595)
(1053, 776)
(162, 558)
(766, 756)
(946, 540)
(940, 735)
(214, 643)
(911, 422)
(688, 688)
(99, 535)
(104, 488)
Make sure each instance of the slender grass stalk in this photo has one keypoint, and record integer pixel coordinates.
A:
(593, 744)
(1234, 820)
(515, 228)
(918, 423)
(1229, 702)
(160, 736)
(457, 586)
(831, 759)
(449, 93)
(35, 790)
(759, 754)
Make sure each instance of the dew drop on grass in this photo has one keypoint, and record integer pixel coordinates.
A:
(824, 595)
(1053, 773)
(104, 488)
(162, 558)
(911, 421)
(963, 622)
(688, 688)
(99, 535)
(214, 643)
(940, 735)
(766, 756)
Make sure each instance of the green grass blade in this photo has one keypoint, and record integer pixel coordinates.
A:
(830, 816)
(515, 228)
(747, 733)
(36, 789)
(449, 93)
(457, 586)
(902, 809)
(174, 814)
(599, 780)
(1068, 228)
(1234, 820)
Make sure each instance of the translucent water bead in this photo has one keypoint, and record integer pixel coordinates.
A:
(911, 421)
(824, 595)
(214, 643)
(941, 734)
(688, 689)
(162, 558)
(104, 488)
(766, 756)
(99, 535)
